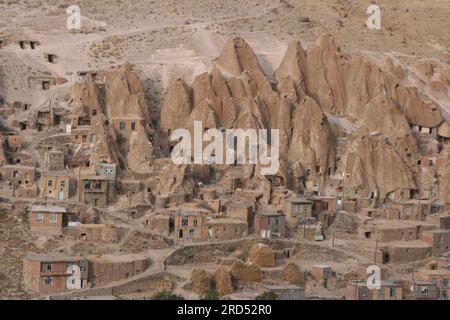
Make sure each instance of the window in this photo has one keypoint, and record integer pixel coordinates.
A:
(133, 126)
(53, 217)
(98, 185)
(445, 282)
(87, 185)
(48, 281)
(325, 206)
(434, 281)
(40, 217)
(296, 208)
(392, 292)
(50, 183)
(365, 293)
(122, 125)
(63, 184)
(381, 292)
(194, 223)
(191, 232)
(184, 222)
(94, 113)
(47, 267)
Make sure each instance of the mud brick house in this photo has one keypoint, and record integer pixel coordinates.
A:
(438, 239)
(158, 223)
(51, 274)
(440, 220)
(18, 175)
(126, 124)
(227, 229)
(47, 219)
(423, 290)
(438, 276)
(270, 223)
(389, 290)
(409, 210)
(55, 185)
(296, 208)
(82, 135)
(191, 225)
(54, 160)
(322, 273)
(324, 204)
(240, 211)
(94, 190)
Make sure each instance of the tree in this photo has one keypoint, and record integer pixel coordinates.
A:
(166, 295)
(268, 295)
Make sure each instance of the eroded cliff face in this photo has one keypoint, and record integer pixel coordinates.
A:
(314, 91)
(120, 99)
(372, 164)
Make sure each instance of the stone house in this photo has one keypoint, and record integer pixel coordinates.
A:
(227, 229)
(54, 160)
(94, 190)
(270, 223)
(47, 219)
(191, 225)
(52, 274)
(55, 185)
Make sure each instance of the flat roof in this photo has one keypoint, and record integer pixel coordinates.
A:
(48, 258)
(18, 166)
(226, 220)
(283, 287)
(299, 200)
(40, 208)
(270, 213)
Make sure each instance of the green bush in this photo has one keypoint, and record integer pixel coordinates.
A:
(269, 295)
(165, 295)
(210, 295)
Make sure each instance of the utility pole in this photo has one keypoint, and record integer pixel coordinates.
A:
(304, 224)
(334, 233)
(376, 249)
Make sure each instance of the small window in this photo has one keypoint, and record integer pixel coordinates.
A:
(194, 223)
(87, 185)
(48, 281)
(191, 232)
(50, 183)
(122, 125)
(53, 218)
(392, 292)
(98, 185)
(184, 222)
(94, 113)
(63, 184)
(445, 282)
(47, 267)
(40, 217)
(133, 126)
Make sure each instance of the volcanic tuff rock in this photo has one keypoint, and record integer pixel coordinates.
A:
(372, 164)
(223, 282)
(311, 86)
(261, 255)
(175, 178)
(293, 274)
(201, 281)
